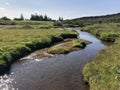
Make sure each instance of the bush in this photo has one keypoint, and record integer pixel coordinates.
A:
(8, 22)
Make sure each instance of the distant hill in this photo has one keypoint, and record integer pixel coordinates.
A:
(115, 18)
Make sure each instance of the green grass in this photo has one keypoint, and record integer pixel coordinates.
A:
(34, 22)
(103, 72)
(27, 24)
(66, 47)
(15, 44)
(106, 32)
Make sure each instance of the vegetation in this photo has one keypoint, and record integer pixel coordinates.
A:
(21, 18)
(26, 24)
(58, 24)
(60, 19)
(8, 22)
(37, 17)
(106, 32)
(113, 18)
(35, 22)
(68, 46)
(4, 18)
(103, 72)
(15, 44)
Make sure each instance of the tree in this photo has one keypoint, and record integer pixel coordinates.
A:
(60, 19)
(32, 17)
(45, 18)
(5, 18)
(36, 17)
(40, 17)
(21, 17)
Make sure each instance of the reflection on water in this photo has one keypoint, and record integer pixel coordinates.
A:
(6, 83)
(62, 72)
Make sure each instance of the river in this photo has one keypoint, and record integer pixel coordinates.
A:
(62, 72)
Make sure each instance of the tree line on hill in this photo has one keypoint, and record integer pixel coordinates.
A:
(34, 17)
(112, 18)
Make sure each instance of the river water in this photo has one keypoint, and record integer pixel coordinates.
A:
(62, 72)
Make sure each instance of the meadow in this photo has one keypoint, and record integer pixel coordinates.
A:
(16, 43)
(103, 72)
(26, 24)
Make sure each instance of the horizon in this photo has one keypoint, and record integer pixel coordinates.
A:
(58, 8)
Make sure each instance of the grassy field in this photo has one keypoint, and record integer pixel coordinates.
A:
(103, 72)
(27, 24)
(17, 43)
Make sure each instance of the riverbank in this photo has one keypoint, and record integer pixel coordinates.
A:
(58, 72)
(68, 46)
(64, 47)
(15, 44)
(103, 72)
(105, 32)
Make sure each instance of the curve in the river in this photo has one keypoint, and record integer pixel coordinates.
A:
(63, 72)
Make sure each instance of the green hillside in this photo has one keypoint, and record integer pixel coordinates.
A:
(113, 18)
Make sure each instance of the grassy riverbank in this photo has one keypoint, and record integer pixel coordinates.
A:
(67, 46)
(15, 44)
(106, 32)
(103, 72)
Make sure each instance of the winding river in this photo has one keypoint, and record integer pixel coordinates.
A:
(62, 72)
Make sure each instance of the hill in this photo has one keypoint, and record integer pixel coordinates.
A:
(111, 18)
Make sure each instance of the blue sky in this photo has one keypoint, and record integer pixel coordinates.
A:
(55, 8)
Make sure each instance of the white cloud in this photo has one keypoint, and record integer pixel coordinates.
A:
(7, 3)
(2, 11)
(1, 8)
(36, 12)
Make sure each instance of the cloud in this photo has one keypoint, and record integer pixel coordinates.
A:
(36, 11)
(7, 3)
(1, 8)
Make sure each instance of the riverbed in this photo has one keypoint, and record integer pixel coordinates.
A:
(61, 72)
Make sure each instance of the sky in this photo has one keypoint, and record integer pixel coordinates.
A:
(67, 9)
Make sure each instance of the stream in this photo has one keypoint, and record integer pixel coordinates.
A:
(62, 72)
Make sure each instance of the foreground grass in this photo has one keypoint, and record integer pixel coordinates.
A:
(67, 46)
(15, 44)
(103, 72)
